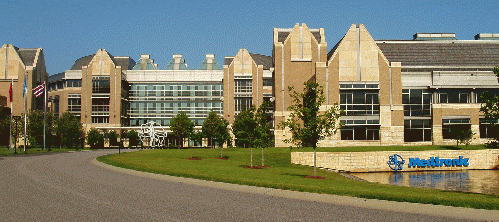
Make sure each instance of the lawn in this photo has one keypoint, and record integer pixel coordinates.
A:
(283, 175)
(8, 152)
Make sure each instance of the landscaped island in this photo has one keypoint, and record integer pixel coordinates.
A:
(281, 174)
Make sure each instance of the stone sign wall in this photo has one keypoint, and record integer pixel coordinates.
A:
(380, 161)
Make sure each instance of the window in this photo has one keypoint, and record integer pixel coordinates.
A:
(100, 84)
(100, 119)
(416, 130)
(74, 103)
(488, 129)
(100, 105)
(268, 82)
(56, 105)
(479, 93)
(448, 125)
(242, 103)
(359, 102)
(417, 102)
(360, 132)
(454, 96)
(73, 83)
(243, 85)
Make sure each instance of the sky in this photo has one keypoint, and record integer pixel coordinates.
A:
(68, 30)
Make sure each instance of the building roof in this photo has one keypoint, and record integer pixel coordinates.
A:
(214, 65)
(56, 77)
(228, 60)
(438, 53)
(27, 56)
(264, 60)
(83, 61)
(125, 62)
(283, 35)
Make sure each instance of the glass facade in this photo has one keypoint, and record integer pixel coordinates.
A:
(100, 84)
(462, 124)
(488, 128)
(417, 102)
(159, 102)
(417, 130)
(454, 96)
(359, 102)
(74, 104)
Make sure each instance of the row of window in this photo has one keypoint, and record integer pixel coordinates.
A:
(167, 90)
(418, 130)
(417, 102)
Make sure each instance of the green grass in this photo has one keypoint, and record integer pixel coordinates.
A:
(9, 152)
(284, 175)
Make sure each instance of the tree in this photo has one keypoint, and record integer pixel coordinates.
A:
(182, 127)
(69, 130)
(461, 134)
(133, 138)
(215, 128)
(490, 107)
(244, 128)
(251, 128)
(196, 137)
(95, 139)
(262, 132)
(4, 125)
(35, 127)
(113, 138)
(305, 122)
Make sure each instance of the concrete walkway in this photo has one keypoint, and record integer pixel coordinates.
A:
(74, 186)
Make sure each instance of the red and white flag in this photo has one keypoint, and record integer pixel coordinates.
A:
(38, 91)
(10, 92)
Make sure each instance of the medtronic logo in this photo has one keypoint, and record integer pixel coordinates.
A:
(396, 162)
(437, 162)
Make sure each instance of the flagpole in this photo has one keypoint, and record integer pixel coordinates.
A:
(44, 112)
(25, 114)
(11, 108)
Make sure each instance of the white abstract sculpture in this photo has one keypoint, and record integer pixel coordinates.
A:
(148, 132)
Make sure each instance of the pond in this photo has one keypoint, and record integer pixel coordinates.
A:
(476, 181)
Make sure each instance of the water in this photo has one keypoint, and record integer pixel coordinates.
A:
(476, 181)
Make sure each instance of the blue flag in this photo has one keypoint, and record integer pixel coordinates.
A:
(25, 84)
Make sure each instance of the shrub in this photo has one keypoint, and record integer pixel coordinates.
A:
(95, 139)
(133, 138)
(113, 138)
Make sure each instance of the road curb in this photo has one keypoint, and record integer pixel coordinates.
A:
(416, 208)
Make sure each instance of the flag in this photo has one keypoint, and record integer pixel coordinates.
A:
(25, 84)
(10, 92)
(38, 91)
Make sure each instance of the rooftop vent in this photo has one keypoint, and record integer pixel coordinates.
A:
(487, 36)
(434, 36)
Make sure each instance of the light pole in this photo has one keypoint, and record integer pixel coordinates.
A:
(16, 119)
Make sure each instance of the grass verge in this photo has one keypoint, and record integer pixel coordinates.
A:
(283, 175)
(10, 152)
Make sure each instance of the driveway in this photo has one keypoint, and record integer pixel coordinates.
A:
(75, 187)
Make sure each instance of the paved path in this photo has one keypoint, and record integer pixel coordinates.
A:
(75, 187)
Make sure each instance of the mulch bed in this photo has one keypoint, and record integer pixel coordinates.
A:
(194, 158)
(253, 167)
(221, 158)
(316, 177)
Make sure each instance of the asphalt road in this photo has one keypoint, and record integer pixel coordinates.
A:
(75, 187)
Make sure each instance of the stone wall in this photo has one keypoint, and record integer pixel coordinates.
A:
(378, 161)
